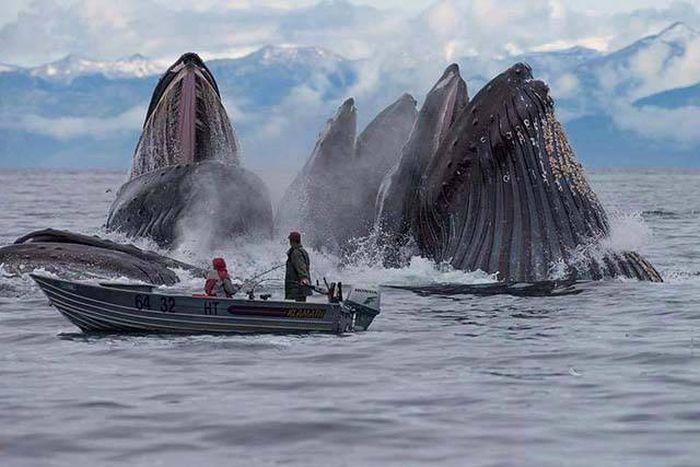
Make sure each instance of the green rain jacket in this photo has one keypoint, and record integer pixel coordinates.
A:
(298, 268)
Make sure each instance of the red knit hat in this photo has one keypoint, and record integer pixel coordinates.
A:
(295, 237)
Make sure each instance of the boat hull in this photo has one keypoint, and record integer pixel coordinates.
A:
(95, 308)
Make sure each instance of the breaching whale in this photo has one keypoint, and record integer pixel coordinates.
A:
(186, 177)
(332, 198)
(186, 174)
(494, 185)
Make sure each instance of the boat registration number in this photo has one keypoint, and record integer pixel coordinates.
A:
(164, 304)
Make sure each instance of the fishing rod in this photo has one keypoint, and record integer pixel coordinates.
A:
(252, 283)
(334, 294)
(267, 271)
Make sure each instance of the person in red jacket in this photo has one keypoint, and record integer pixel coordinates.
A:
(218, 282)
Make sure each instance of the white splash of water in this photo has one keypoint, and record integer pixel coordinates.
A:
(628, 232)
(20, 285)
(420, 271)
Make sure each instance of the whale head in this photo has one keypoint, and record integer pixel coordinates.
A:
(186, 122)
(186, 179)
(397, 200)
(505, 193)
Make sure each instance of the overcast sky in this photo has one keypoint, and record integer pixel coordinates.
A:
(11, 8)
(37, 31)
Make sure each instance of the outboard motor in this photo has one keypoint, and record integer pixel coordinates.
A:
(364, 304)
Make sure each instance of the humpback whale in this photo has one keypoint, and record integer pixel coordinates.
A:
(398, 194)
(505, 193)
(500, 189)
(186, 177)
(66, 252)
(332, 198)
(490, 184)
(186, 173)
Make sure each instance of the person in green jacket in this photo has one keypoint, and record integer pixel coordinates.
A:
(297, 278)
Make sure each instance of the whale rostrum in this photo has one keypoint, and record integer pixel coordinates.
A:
(397, 200)
(186, 121)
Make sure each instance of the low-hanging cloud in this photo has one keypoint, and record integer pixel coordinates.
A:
(679, 125)
(395, 52)
(65, 128)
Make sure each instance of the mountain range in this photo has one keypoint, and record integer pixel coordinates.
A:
(638, 106)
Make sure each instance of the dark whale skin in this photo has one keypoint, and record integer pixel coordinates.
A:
(186, 174)
(80, 255)
(331, 200)
(225, 201)
(186, 121)
(505, 194)
(397, 200)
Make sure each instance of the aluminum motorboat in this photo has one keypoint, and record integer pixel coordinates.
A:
(131, 308)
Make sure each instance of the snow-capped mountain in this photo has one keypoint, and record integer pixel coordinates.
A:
(73, 66)
(70, 112)
(656, 63)
(290, 56)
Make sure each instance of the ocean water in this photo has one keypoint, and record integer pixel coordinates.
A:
(607, 377)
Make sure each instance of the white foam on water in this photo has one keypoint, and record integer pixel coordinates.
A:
(249, 257)
(628, 232)
(246, 259)
(420, 271)
(20, 285)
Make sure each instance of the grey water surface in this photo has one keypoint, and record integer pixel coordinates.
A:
(607, 377)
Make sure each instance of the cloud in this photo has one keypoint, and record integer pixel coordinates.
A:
(670, 59)
(654, 123)
(396, 52)
(65, 128)
(48, 29)
(567, 85)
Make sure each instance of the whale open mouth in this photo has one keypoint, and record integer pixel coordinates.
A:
(186, 121)
(506, 194)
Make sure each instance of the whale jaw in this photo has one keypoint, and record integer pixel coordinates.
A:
(505, 194)
(397, 200)
(186, 121)
(186, 175)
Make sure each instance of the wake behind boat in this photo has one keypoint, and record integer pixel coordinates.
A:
(123, 308)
